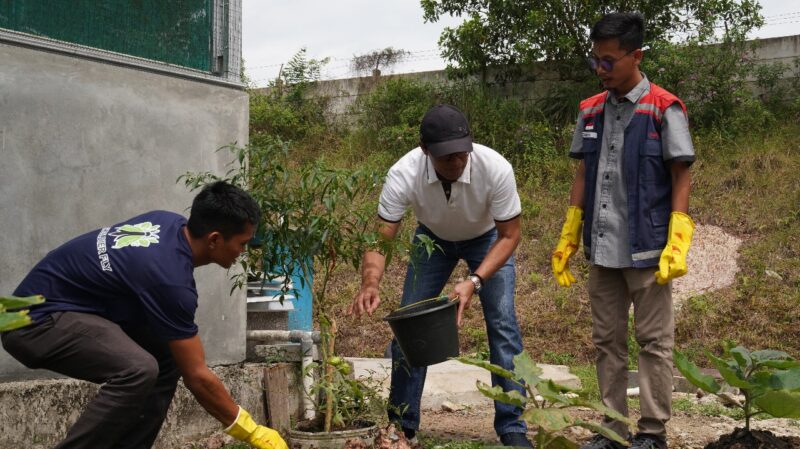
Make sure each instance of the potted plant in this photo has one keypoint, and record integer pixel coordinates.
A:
(319, 218)
(769, 380)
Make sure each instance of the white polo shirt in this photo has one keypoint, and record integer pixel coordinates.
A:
(486, 192)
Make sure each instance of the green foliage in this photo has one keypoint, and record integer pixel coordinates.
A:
(315, 216)
(429, 442)
(713, 82)
(633, 345)
(389, 117)
(549, 413)
(768, 379)
(354, 401)
(693, 407)
(15, 320)
(285, 110)
(507, 35)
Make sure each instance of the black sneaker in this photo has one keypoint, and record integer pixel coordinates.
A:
(647, 441)
(411, 436)
(516, 439)
(600, 442)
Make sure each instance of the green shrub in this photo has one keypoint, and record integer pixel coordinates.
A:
(546, 402)
(390, 115)
(769, 380)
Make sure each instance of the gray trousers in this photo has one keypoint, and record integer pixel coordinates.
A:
(136, 370)
(611, 292)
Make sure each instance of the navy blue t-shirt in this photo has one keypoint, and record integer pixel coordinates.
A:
(138, 272)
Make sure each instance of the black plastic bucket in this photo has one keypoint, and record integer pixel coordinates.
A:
(426, 331)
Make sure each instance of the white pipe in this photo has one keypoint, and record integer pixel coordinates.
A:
(272, 336)
(307, 347)
(307, 340)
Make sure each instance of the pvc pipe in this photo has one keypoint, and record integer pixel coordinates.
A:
(272, 336)
(307, 340)
(307, 347)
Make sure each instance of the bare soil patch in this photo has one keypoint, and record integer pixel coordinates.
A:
(684, 431)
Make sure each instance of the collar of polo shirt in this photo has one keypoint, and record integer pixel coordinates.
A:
(431, 172)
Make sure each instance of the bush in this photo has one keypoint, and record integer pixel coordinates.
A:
(390, 115)
(714, 82)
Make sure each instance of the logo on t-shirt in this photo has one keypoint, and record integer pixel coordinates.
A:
(137, 235)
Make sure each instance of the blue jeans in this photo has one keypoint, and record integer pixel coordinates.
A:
(426, 280)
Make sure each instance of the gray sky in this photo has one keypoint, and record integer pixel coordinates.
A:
(274, 30)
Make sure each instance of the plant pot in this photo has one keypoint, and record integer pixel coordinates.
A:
(426, 331)
(299, 439)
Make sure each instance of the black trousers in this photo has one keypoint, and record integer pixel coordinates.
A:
(136, 370)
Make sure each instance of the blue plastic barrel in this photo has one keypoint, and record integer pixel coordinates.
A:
(300, 317)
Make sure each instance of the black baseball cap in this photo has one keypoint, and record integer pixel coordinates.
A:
(445, 130)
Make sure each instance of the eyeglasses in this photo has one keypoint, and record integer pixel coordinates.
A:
(605, 64)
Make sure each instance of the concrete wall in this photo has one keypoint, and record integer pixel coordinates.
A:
(37, 414)
(85, 144)
(783, 49)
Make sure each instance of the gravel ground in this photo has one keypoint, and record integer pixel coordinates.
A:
(711, 261)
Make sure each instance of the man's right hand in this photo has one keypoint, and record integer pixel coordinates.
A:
(366, 301)
(567, 246)
(260, 437)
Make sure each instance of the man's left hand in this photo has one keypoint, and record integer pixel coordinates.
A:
(463, 291)
(672, 263)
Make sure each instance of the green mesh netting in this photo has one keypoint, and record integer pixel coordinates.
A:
(173, 31)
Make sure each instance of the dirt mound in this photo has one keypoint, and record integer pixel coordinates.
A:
(755, 439)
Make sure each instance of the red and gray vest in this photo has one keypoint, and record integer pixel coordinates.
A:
(647, 177)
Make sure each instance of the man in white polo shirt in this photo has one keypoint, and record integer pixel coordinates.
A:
(465, 199)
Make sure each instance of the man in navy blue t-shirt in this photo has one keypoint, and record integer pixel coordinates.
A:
(120, 310)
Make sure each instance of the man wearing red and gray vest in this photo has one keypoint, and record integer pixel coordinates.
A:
(631, 197)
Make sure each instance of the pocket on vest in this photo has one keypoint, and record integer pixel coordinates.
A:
(590, 145)
(652, 169)
(659, 218)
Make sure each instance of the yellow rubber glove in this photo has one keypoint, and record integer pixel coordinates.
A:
(567, 246)
(260, 437)
(673, 259)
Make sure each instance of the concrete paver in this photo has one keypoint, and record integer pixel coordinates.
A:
(452, 381)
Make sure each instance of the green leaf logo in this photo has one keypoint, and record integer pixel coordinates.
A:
(136, 235)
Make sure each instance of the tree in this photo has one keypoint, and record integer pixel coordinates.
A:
(300, 70)
(373, 61)
(504, 35)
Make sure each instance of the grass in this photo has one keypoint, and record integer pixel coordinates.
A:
(691, 407)
(749, 187)
(438, 443)
(588, 377)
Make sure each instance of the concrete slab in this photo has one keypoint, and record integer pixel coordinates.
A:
(451, 381)
(37, 414)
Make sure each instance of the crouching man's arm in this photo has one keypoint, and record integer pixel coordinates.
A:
(214, 397)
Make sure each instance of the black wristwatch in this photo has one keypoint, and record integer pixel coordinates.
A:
(477, 281)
